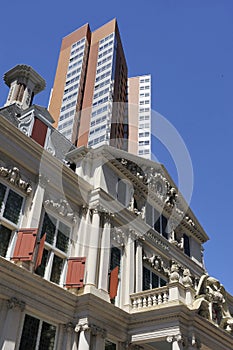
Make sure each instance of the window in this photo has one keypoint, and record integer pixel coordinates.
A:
(37, 334)
(56, 248)
(151, 280)
(11, 204)
(155, 220)
(186, 244)
(109, 345)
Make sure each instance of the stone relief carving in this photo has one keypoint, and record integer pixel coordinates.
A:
(157, 263)
(62, 208)
(26, 124)
(187, 278)
(15, 303)
(118, 236)
(211, 303)
(174, 275)
(134, 169)
(13, 176)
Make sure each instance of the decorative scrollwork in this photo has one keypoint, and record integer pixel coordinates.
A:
(13, 176)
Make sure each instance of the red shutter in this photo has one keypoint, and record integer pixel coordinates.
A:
(25, 244)
(113, 282)
(40, 251)
(75, 272)
(39, 132)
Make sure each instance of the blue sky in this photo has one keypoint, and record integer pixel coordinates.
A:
(187, 47)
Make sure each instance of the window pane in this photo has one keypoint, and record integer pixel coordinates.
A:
(149, 215)
(29, 335)
(156, 221)
(109, 345)
(63, 233)
(56, 269)
(164, 227)
(162, 282)
(5, 235)
(13, 207)
(186, 245)
(155, 280)
(47, 337)
(2, 193)
(115, 258)
(41, 269)
(49, 227)
(146, 278)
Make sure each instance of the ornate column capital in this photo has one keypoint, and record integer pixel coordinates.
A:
(98, 331)
(69, 327)
(14, 303)
(178, 338)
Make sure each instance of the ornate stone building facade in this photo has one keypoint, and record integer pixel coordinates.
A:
(98, 249)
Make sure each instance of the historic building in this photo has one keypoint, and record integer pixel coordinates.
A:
(98, 250)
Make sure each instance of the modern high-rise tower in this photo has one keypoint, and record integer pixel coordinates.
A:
(139, 116)
(88, 100)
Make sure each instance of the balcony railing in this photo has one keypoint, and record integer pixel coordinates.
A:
(149, 298)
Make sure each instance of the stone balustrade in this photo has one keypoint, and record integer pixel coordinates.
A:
(149, 298)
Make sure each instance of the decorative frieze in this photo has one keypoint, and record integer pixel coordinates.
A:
(157, 240)
(13, 176)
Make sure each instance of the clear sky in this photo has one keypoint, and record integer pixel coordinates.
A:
(187, 47)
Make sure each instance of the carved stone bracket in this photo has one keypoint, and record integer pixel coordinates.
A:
(13, 176)
(14, 303)
(62, 208)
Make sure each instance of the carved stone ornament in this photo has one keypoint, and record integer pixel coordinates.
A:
(174, 272)
(26, 124)
(171, 196)
(134, 169)
(62, 208)
(186, 279)
(157, 240)
(118, 236)
(178, 338)
(50, 146)
(157, 263)
(13, 176)
(157, 183)
(14, 303)
(69, 327)
(211, 303)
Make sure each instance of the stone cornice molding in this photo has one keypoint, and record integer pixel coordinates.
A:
(13, 176)
(14, 303)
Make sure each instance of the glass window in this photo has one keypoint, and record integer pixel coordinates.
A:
(37, 334)
(11, 204)
(109, 345)
(57, 245)
(151, 280)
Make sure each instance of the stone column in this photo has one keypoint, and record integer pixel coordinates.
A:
(11, 325)
(86, 228)
(139, 266)
(59, 345)
(98, 337)
(176, 341)
(129, 269)
(104, 254)
(84, 336)
(35, 209)
(93, 245)
(69, 332)
(82, 228)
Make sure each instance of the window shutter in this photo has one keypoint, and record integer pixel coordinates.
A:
(113, 282)
(40, 251)
(75, 272)
(39, 132)
(25, 244)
